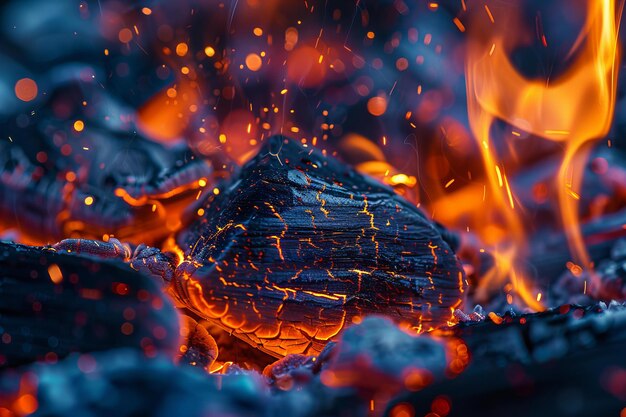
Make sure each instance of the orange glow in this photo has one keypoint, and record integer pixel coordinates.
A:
(573, 108)
(253, 62)
(79, 125)
(239, 130)
(26, 89)
(370, 159)
(402, 410)
(305, 67)
(377, 106)
(170, 246)
(23, 402)
(55, 273)
(167, 114)
(26, 404)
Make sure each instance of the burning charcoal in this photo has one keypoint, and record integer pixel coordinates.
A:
(52, 304)
(563, 362)
(299, 245)
(93, 176)
(234, 350)
(199, 348)
(124, 383)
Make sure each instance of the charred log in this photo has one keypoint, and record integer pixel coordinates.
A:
(298, 245)
(131, 182)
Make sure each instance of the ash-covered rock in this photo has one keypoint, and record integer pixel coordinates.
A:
(132, 182)
(370, 364)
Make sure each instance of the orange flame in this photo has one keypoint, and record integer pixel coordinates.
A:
(574, 109)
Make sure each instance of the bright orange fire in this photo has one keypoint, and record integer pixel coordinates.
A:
(574, 109)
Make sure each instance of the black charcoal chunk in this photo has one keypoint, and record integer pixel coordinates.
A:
(299, 244)
(52, 304)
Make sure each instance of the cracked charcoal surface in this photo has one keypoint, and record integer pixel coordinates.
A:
(126, 383)
(93, 305)
(299, 244)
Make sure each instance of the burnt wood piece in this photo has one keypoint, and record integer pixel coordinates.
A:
(565, 362)
(52, 304)
(299, 245)
(49, 171)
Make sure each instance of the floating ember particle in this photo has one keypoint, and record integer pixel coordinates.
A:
(209, 51)
(26, 89)
(55, 273)
(253, 62)
(182, 49)
(125, 35)
(377, 106)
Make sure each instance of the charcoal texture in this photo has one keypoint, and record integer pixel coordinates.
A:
(91, 305)
(564, 362)
(47, 174)
(299, 244)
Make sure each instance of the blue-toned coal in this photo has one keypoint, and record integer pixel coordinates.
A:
(106, 178)
(123, 382)
(299, 245)
(53, 304)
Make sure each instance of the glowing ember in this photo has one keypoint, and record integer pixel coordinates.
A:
(26, 89)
